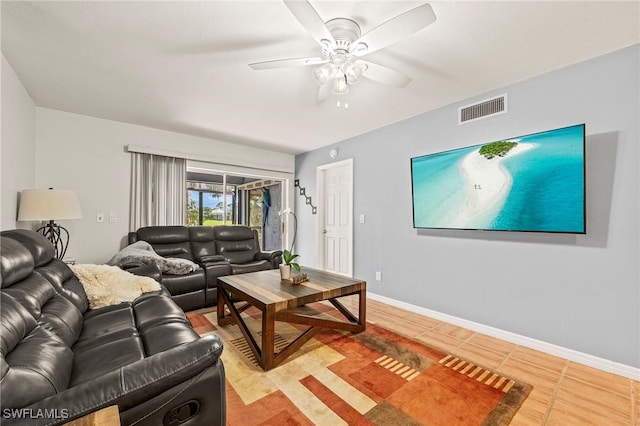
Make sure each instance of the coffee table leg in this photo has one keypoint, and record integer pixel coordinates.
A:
(268, 338)
(220, 309)
(362, 308)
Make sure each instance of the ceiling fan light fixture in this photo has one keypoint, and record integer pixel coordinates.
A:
(322, 74)
(340, 85)
(353, 71)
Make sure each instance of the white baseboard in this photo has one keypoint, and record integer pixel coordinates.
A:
(549, 348)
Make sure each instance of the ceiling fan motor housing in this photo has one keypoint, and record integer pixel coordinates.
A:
(344, 31)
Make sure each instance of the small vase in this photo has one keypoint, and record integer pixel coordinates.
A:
(285, 272)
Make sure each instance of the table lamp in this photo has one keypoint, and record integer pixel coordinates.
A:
(50, 205)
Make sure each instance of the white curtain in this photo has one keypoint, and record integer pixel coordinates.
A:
(158, 190)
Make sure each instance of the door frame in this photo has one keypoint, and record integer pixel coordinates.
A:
(320, 182)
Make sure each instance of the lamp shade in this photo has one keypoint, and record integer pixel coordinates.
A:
(49, 204)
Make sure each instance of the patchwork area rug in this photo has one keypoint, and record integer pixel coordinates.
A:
(375, 377)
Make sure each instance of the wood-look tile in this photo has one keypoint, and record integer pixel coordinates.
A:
(427, 322)
(635, 410)
(538, 403)
(538, 359)
(440, 341)
(525, 417)
(454, 331)
(540, 378)
(492, 344)
(408, 328)
(586, 413)
(603, 380)
(543, 381)
(576, 398)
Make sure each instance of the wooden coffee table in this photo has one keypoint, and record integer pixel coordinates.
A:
(277, 301)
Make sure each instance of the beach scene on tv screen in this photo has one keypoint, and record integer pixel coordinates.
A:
(528, 183)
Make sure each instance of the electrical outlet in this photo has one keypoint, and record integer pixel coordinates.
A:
(361, 218)
(100, 217)
(378, 276)
(113, 218)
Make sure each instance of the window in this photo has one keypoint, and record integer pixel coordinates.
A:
(236, 200)
(209, 204)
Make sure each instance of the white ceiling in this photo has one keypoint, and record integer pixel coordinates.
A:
(183, 65)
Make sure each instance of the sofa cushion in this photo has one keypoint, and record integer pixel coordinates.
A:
(202, 242)
(232, 233)
(181, 284)
(167, 241)
(17, 262)
(237, 251)
(62, 318)
(40, 247)
(129, 331)
(35, 363)
(90, 362)
(65, 283)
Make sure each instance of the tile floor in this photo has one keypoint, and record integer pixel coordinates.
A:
(565, 393)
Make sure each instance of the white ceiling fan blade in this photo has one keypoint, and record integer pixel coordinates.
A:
(387, 76)
(394, 30)
(282, 63)
(324, 91)
(311, 21)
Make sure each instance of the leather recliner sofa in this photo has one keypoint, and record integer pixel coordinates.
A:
(60, 360)
(219, 250)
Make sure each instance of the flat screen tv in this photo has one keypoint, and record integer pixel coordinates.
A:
(530, 183)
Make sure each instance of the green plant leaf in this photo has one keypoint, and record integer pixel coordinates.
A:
(288, 257)
(296, 266)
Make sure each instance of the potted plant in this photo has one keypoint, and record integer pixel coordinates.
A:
(285, 268)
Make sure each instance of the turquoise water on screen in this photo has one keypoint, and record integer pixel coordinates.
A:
(547, 193)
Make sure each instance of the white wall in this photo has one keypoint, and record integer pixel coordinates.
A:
(578, 292)
(88, 155)
(18, 145)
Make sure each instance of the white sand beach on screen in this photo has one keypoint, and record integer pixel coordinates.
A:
(487, 181)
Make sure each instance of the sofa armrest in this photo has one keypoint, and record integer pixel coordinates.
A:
(132, 237)
(133, 384)
(151, 270)
(275, 257)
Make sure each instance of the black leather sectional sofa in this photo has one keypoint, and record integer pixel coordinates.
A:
(60, 360)
(219, 250)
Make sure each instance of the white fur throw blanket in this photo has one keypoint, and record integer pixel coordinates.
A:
(141, 253)
(109, 285)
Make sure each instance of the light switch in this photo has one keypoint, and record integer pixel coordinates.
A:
(113, 218)
(100, 217)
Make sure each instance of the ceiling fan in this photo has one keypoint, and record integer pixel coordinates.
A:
(343, 45)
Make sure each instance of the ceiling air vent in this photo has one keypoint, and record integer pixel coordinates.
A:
(482, 109)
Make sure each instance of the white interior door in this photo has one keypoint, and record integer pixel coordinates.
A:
(335, 217)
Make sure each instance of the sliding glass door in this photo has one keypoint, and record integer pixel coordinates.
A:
(225, 199)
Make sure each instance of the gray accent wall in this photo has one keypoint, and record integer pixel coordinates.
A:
(580, 292)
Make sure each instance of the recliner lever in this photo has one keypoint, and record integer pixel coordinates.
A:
(182, 413)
